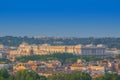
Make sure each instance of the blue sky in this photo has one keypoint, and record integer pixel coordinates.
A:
(72, 18)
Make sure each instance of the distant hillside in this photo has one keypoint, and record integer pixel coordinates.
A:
(15, 41)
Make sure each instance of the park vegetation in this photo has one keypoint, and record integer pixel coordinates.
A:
(63, 57)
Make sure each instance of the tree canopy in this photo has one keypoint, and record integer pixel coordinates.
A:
(108, 77)
(63, 57)
(72, 76)
(31, 75)
(21, 75)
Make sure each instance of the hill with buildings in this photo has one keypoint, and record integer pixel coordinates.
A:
(16, 41)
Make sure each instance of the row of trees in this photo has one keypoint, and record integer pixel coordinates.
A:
(15, 41)
(63, 57)
(31, 75)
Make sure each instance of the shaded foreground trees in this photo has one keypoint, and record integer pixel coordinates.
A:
(108, 77)
(73, 76)
(4, 75)
(31, 75)
(21, 75)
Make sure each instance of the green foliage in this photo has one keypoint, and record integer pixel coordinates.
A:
(27, 75)
(92, 58)
(4, 60)
(72, 76)
(63, 57)
(108, 77)
(4, 75)
(118, 56)
(31, 75)
(21, 75)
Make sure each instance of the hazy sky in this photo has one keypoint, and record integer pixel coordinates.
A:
(76, 18)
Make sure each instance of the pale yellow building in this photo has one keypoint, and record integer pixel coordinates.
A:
(25, 49)
(78, 67)
(97, 68)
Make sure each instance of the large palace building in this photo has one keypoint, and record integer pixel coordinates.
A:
(26, 49)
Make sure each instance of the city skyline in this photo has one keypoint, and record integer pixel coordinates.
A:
(88, 18)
